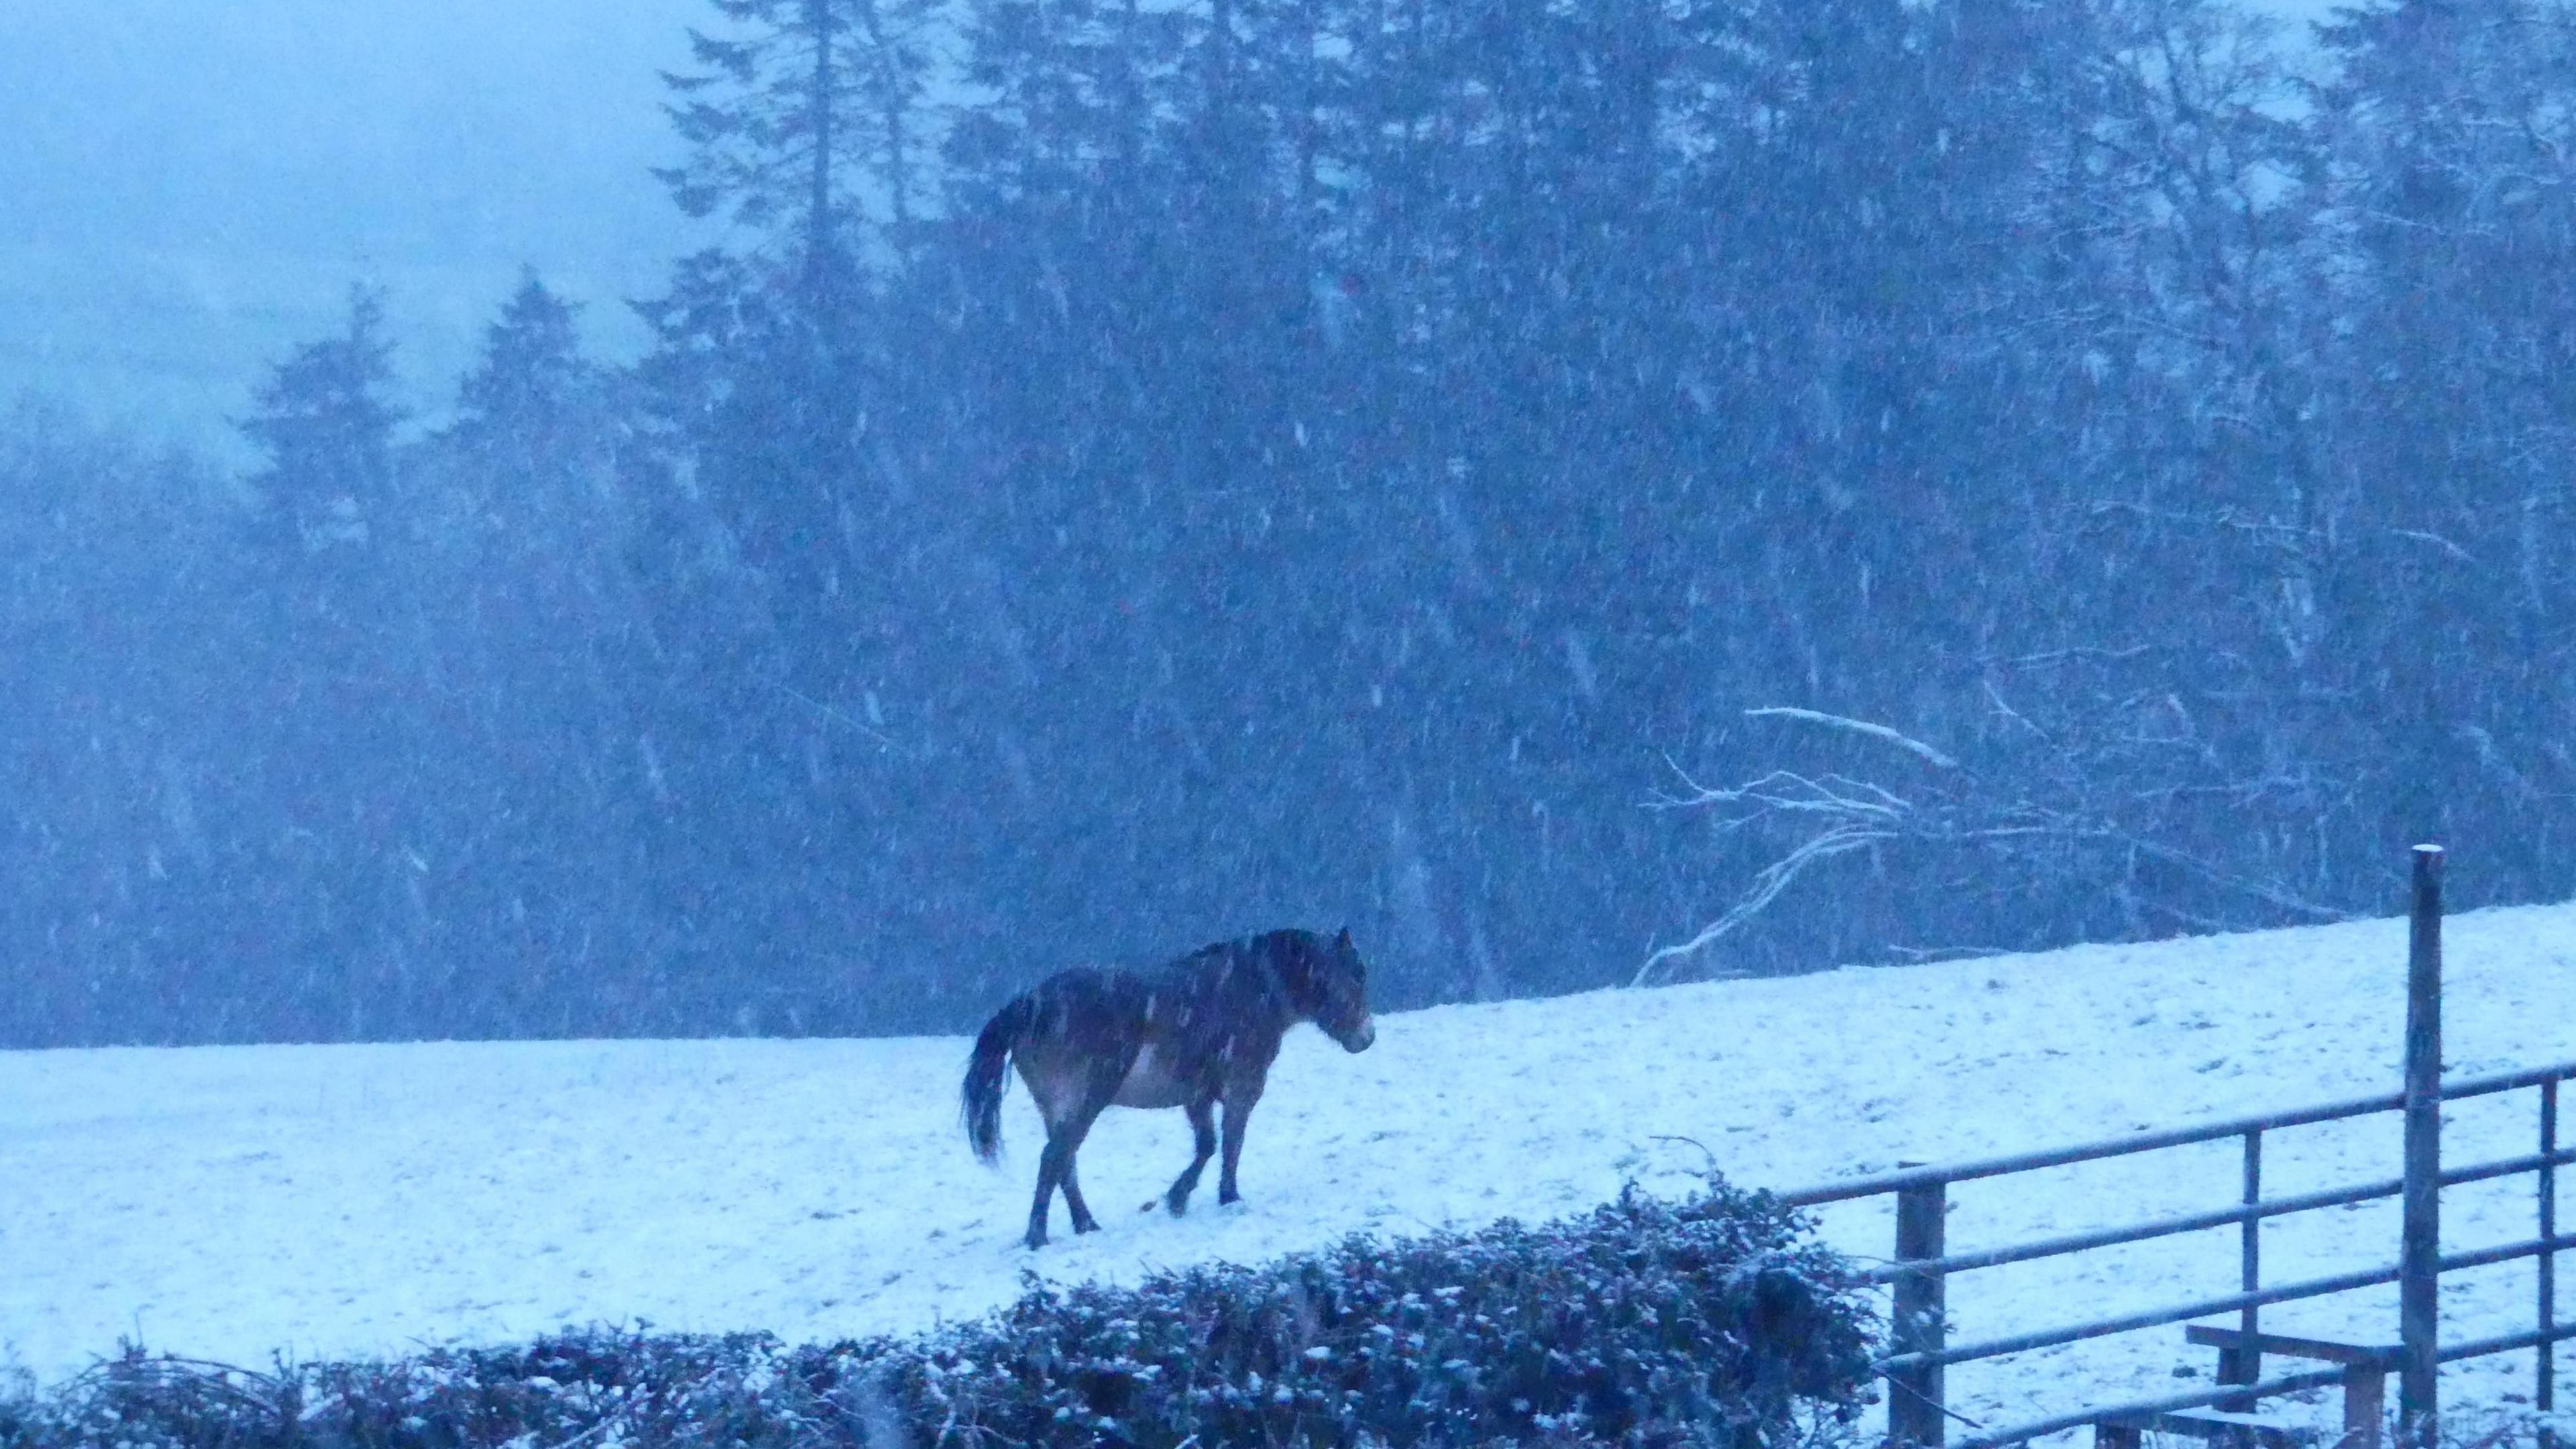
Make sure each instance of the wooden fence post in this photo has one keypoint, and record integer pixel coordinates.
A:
(2420, 1251)
(1914, 1404)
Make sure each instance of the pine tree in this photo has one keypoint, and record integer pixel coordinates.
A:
(807, 125)
(805, 128)
(327, 428)
(346, 747)
(534, 443)
(531, 377)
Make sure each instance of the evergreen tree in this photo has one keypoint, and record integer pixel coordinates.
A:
(327, 428)
(807, 124)
(345, 752)
(531, 380)
(806, 128)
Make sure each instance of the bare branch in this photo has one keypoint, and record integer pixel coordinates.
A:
(1787, 792)
(838, 717)
(1907, 743)
(2438, 541)
(2093, 784)
(1919, 954)
(2010, 713)
(2270, 895)
(1773, 879)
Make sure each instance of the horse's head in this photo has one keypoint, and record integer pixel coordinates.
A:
(1337, 988)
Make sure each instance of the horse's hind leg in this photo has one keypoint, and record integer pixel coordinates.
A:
(1055, 1166)
(1203, 1134)
(1051, 1164)
(1083, 1221)
(1056, 1169)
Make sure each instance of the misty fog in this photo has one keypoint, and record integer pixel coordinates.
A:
(523, 523)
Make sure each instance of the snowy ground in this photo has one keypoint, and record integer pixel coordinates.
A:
(328, 1201)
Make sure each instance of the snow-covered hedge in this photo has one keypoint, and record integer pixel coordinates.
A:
(1712, 1322)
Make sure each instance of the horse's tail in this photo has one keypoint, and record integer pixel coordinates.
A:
(981, 1098)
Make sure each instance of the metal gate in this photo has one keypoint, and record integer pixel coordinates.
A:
(1919, 1349)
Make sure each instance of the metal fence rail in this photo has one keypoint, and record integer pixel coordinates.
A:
(2266, 1388)
(1918, 1351)
(2232, 1303)
(1936, 1174)
(2205, 1219)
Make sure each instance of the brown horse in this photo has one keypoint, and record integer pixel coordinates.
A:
(1193, 1033)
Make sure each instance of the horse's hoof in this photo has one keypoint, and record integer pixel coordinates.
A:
(1179, 1206)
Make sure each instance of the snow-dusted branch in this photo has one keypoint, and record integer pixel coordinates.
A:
(1904, 742)
(1838, 839)
(1784, 791)
(2264, 891)
(2097, 786)
(1843, 815)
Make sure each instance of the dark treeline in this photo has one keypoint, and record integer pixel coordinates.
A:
(1150, 472)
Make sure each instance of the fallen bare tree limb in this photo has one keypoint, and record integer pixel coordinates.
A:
(2058, 800)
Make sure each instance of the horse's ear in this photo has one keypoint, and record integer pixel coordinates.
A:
(1344, 939)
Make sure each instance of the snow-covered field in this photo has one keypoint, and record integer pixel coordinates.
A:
(329, 1201)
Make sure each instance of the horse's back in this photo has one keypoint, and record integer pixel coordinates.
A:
(1170, 1033)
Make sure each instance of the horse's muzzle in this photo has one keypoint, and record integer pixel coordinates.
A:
(1362, 1039)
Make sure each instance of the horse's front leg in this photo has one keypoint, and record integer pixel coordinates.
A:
(1203, 1139)
(1239, 1099)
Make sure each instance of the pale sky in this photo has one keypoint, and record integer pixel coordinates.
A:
(192, 185)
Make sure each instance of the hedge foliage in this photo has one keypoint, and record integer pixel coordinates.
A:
(1710, 1322)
